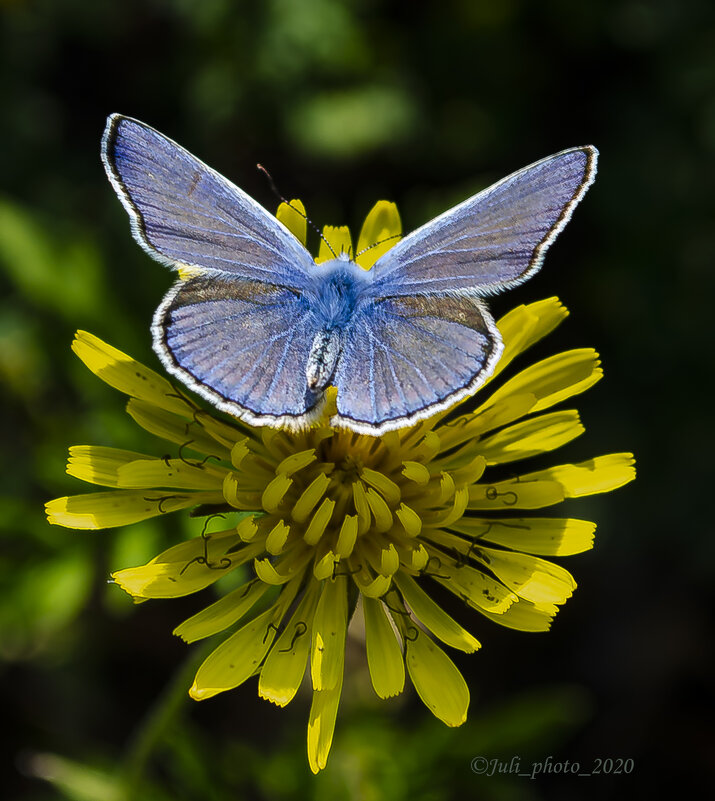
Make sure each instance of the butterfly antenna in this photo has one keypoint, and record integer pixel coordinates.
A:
(380, 242)
(280, 197)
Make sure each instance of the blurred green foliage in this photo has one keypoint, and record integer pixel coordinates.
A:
(347, 102)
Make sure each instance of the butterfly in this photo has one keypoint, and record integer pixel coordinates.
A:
(260, 330)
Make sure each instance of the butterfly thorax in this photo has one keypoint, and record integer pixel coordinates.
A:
(333, 299)
(336, 292)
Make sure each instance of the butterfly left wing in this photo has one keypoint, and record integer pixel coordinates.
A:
(242, 345)
(405, 358)
(494, 240)
(183, 213)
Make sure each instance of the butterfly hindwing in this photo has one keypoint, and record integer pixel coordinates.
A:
(243, 345)
(184, 213)
(494, 240)
(405, 358)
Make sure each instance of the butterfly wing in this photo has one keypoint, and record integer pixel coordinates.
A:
(494, 240)
(242, 345)
(425, 341)
(183, 213)
(405, 358)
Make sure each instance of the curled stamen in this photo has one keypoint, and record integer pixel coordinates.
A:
(415, 631)
(181, 455)
(460, 558)
(197, 413)
(492, 494)
(396, 611)
(300, 629)
(268, 628)
(162, 500)
(223, 563)
(424, 570)
(208, 520)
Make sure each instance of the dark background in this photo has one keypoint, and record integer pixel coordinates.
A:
(347, 103)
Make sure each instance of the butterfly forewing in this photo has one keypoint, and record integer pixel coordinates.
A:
(185, 213)
(494, 240)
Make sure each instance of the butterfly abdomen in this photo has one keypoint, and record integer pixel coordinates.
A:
(323, 357)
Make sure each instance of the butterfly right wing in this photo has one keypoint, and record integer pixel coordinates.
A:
(406, 358)
(183, 213)
(494, 240)
(242, 345)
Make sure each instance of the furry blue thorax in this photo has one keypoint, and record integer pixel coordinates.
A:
(337, 291)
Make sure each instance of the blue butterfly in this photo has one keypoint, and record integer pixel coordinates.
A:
(260, 330)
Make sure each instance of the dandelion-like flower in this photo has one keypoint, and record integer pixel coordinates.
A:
(331, 521)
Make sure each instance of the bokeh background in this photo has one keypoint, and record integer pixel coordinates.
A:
(348, 102)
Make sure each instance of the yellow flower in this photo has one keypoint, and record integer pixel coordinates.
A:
(332, 522)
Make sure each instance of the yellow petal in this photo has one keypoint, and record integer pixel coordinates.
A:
(309, 498)
(221, 614)
(340, 242)
(602, 474)
(293, 216)
(411, 521)
(283, 671)
(236, 659)
(347, 536)
(531, 437)
(384, 655)
(285, 568)
(274, 493)
(362, 507)
(328, 636)
(121, 507)
(554, 379)
(170, 473)
(173, 428)
(416, 471)
(516, 494)
(185, 568)
(434, 617)
(380, 231)
(321, 725)
(371, 584)
(129, 376)
(524, 615)
(384, 485)
(277, 537)
(295, 462)
(486, 418)
(318, 523)
(480, 591)
(380, 511)
(533, 579)
(438, 682)
(549, 536)
(99, 465)
(523, 326)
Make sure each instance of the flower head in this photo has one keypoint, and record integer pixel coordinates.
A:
(330, 521)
